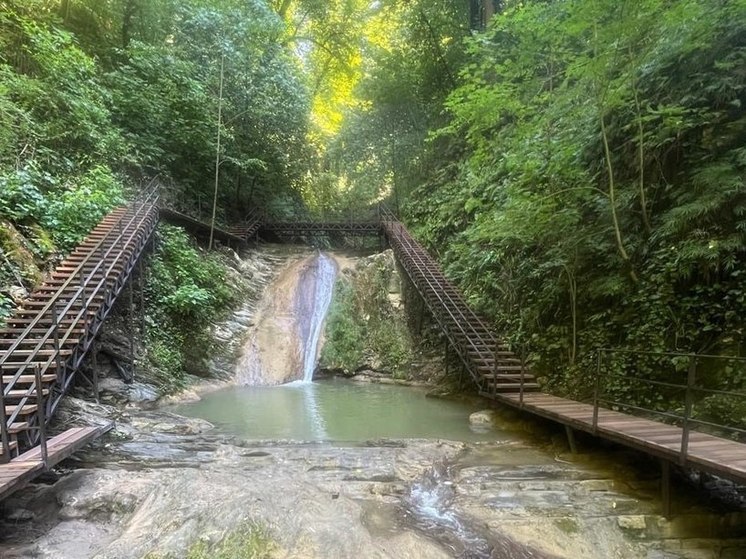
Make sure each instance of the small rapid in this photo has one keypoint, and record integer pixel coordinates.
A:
(429, 506)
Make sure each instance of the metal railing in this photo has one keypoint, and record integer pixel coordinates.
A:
(626, 371)
(76, 306)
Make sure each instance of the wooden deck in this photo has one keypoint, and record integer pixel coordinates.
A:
(17, 473)
(715, 455)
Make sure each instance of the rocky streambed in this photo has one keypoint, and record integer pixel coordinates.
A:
(162, 483)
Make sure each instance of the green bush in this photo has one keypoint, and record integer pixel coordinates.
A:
(187, 283)
(20, 198)
(186, 290)
(73, 210)
(345, 334)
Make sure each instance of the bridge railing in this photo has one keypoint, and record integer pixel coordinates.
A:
(702, 389)
(75, 307)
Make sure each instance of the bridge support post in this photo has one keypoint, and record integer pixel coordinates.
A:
(141, 284)
(131, 320)
(40, 415)
(571, 439)
(446, 356)
(666, 488)
(94, 371)
(421, 318)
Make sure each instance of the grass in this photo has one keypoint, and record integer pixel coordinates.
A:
(250, 541)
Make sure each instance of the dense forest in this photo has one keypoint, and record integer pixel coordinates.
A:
(578, 166)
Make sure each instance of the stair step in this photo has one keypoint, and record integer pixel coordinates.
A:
(28, 379)
(41, 352)
(514, 387)
(508, 376)
(28, 409)
(13, 447)
(23, 393)
(503, 368)
(16, 427)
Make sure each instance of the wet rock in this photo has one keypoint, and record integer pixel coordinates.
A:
(632, 523)
(164, 422)
(19, 515)
(483, 417)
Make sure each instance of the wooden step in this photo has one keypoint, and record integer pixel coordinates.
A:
(16, 427)
(514, 387)
(32, 332)
(23, 393)
(41, 353)
(503, 368)
(28, 379)
(13, 447)
(28, 409)
(508, 376)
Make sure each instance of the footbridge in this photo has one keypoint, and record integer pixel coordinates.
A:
(46, 339)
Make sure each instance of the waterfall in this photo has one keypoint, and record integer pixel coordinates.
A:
(316, 306)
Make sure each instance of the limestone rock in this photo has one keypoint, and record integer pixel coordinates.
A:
(483, 417)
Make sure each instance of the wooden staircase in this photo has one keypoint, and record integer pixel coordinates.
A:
(490, 361)
(46, 339)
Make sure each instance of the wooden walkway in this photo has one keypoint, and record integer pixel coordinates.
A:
(202, 230)
(17, 473)
(708, 453)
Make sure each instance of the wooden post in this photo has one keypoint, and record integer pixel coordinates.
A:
(523, 373)
(666, 487)
(4, 436)
(141, 283)
(446, 356)
(56, 339)
(688, 403)
(40, 415)
(94, 374)
(596, 389)
(571, 439)
(494, 368)
(421, 317)
(131, 317)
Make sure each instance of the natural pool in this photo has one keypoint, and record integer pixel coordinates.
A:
(336, 410)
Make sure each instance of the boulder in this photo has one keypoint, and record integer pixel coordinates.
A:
(483, 417)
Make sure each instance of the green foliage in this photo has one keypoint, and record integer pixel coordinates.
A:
(344, 337)
(361, 323)
(20, 199)
(187, 282)
(250, 541)
(73, 210)
(583, 174)
(186, 291)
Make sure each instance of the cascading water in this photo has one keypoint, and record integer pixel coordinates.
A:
(284, 344)
(313, 304)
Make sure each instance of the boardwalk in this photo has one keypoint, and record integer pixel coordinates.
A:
(18, 472)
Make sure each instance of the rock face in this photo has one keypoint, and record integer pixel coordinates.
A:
(272, 350)
(366, 330)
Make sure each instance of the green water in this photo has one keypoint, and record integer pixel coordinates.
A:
(337, 411)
